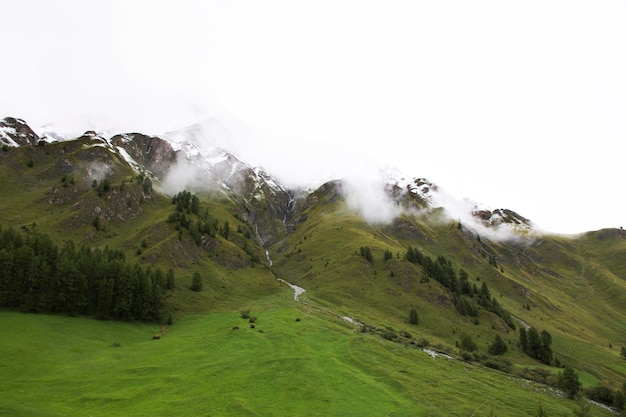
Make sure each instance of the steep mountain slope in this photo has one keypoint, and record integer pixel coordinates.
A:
(574, 288)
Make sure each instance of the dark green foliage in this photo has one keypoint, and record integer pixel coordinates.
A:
(225, 230)
(465, 307)
(365, 252)
(500, 364)
(389, 333)
(103, 187)
(196, 282)
(601, 394)
(535, 345)
(67, 180)
(584, 408)
(569, 383)
(467, 343)
(147, 185)
(188, 207)
(170, 280)
(523, 339)
(498, 347)
(464, 286)
(30, 163)
(413, 316)
(38, 276)
(5, 148)
(195, 204)
(619, 400)
(96, 223)
(443, 271)
(388, 255)
(623, 352)
(254, 257)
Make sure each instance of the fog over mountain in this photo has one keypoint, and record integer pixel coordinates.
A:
(517, 106)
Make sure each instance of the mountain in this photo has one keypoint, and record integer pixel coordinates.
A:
(15, 132)
(471, 273)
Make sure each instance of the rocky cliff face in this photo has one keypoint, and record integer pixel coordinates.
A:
(502, 216)
(15, 132)
(191, 153)
(153, 153)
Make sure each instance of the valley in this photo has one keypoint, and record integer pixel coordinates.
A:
(332, 295)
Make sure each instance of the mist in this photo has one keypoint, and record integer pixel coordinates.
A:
(368, 198)
(472, 96)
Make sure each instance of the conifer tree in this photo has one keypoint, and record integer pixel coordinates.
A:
(498, 347)
(196, 282)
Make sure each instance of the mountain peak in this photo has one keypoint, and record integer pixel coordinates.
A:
(15, 132)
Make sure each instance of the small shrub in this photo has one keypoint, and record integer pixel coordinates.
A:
(389, 334)
(252, 319)
(196, 282)
(503, 365)
(423, 343)
(30, 163)
(467, 343)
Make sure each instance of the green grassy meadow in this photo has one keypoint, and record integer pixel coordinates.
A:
(318, 366)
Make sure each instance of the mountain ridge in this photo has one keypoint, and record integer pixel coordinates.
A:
(192, 154)
(246, 233)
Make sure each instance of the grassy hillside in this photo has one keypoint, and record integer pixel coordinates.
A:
(57, 192)
(318, 366)
(567, 286)
(574, 288)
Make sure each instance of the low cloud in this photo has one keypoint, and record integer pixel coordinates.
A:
(184, 175)
(462, 211)
(98, 171)
(368, 198)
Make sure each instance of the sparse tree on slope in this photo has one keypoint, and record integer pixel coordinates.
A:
(498, 347)
(196, 282)
(569, 383)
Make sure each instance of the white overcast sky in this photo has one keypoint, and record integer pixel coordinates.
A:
(513, 104)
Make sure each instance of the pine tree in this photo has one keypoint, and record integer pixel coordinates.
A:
(523, 339)
(169, 279)
(569, 383)
(196, 282)
(413, 316)
(498, 347)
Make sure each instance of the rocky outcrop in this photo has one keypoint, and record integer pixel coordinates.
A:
(151, 152)
(15, 132)
(501, 216)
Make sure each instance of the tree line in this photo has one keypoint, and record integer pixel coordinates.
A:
(36, 275)
(187, 204)
(536, 345)
(465, 295)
